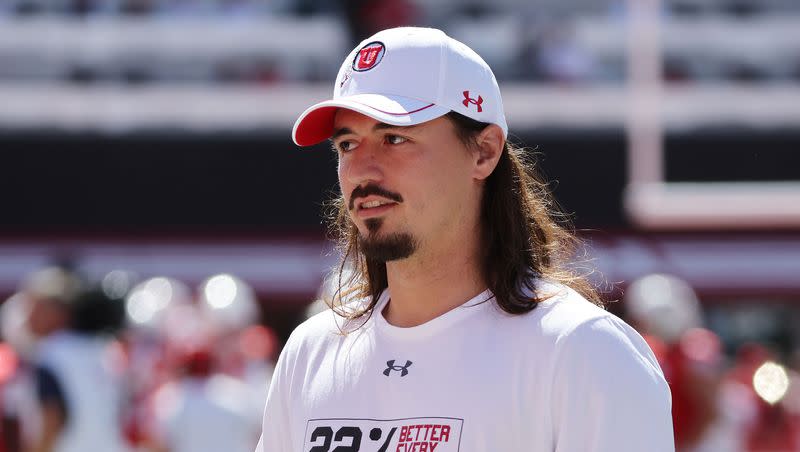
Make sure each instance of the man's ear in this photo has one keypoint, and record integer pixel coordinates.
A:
(489, 147)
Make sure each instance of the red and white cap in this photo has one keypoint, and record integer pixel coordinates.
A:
(406, 76)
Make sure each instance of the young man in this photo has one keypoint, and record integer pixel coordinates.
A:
(456, 324)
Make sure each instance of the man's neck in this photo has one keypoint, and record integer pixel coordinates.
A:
(426, 286)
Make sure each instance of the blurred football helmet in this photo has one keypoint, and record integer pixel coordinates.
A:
(664, 306)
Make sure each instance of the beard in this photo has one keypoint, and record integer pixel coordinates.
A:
(389, 248)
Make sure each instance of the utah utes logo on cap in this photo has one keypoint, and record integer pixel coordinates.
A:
(369, 56)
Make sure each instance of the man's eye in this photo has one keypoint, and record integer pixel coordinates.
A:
(395, 139)
(345, 146)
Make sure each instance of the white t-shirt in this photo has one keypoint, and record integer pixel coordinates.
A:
(565, 377)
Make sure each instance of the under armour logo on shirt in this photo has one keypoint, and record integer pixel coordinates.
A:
(402, 369)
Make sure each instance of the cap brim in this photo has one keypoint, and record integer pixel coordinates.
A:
(316, 123)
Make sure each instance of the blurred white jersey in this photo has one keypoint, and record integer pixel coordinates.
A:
(207, 415)
(85, 370)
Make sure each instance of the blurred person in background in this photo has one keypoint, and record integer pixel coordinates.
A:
(667, 312)
(146, 308)
(214, 364)
(77, 368)
(468, 326)
(708, 414)
(202, 409)
(36, 311)
(243, 347)
(19, 405)
(9, 419)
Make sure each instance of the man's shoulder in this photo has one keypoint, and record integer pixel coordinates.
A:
(562, 308)
(562, 313)
(571, 324)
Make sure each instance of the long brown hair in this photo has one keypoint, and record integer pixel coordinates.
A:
(525, 237)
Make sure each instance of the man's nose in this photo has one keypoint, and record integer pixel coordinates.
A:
(364, 164)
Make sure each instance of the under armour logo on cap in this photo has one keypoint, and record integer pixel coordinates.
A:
(468, 100)
(402, 369)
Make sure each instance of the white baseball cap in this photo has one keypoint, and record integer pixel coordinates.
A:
(406, 76)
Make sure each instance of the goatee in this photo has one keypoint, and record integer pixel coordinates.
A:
(384, 249)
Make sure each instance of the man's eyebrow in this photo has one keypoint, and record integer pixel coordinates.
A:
(383, 126)
(339, 132)
(378, 126)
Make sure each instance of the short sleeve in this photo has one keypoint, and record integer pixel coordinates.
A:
(609, 394)
(275, 436)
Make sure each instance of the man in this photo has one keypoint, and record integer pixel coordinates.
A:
(77, 373)
(456, 325)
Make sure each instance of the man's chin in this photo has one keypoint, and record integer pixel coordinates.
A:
(388, 247)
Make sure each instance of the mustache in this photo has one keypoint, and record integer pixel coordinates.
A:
(367, 190)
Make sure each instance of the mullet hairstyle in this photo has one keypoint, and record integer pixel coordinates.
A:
(525, 238)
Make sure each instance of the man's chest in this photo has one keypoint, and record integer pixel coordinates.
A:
(432, 397)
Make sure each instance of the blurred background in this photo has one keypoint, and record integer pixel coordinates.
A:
(147, 159)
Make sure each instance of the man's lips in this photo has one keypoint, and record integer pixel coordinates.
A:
(372, 196)
(372, 206)
(370, 209)
(371, 202)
